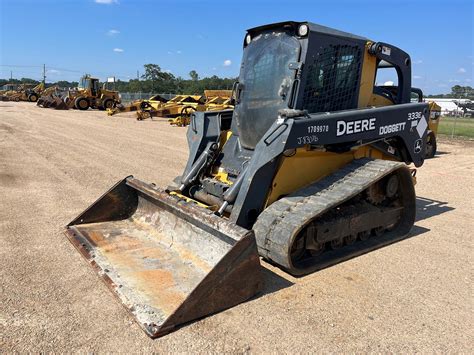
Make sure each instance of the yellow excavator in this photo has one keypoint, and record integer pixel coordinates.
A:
(314, 165)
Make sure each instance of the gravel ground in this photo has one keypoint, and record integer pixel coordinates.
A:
(413, 296)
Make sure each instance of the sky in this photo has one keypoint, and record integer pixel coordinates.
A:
(117, 37)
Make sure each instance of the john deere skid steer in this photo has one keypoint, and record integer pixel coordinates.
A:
(309, 169)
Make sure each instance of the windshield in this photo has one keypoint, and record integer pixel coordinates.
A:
(82, 83)
(265, 83)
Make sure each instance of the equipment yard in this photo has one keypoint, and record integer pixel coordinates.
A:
(412, 296)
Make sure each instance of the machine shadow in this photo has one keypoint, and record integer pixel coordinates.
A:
(427, 208)
(272, 282)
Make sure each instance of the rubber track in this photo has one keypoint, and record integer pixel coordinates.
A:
(281, 222)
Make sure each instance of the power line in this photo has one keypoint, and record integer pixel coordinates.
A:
(20, 66)
(39, 66)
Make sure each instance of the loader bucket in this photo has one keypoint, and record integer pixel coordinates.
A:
(48, 102)
(168, 261)
(59, 104)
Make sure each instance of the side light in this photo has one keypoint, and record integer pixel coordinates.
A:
(303, 30)
(248, 39)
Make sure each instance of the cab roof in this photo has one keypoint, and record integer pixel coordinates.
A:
(313, 27)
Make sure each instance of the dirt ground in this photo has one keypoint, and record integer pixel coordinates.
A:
(413, 296)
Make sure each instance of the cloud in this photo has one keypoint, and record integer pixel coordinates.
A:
(169, 52)
(453, 80)
(417, 77)
(53, 71)
(442, 85)
(227, 62)
(106, 2)
(419, 61)
(179, 52)
(468, 80)
(118, 50)
(113, 32)
(461, 70)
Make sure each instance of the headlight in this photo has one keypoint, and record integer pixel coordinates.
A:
(303, 30)
(248, 39)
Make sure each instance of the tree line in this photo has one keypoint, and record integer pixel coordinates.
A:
(457, 92)
(155, 80)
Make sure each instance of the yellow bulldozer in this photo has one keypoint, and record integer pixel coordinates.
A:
(314, 165)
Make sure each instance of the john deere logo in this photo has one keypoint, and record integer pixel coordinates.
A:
(417, 148)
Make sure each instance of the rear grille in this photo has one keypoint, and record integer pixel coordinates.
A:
(332, 79)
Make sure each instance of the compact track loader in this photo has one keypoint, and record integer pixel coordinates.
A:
(309, 169)
(433, 123)
(433, 117)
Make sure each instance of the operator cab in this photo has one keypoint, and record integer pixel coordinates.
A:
(305, 66)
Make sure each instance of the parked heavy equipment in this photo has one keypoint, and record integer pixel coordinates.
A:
(433, 122)
(153, 103)
(180, 105)
(89, 94)
(24, 92)
(33, 94)
(214, 100)
(56, 98)
(305, 171)
(6, 88)
(48, 96)
(218, 100)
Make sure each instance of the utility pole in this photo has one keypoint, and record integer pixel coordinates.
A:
(44, 74)
(138, 78)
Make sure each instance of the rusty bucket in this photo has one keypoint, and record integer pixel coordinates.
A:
(168, 261)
